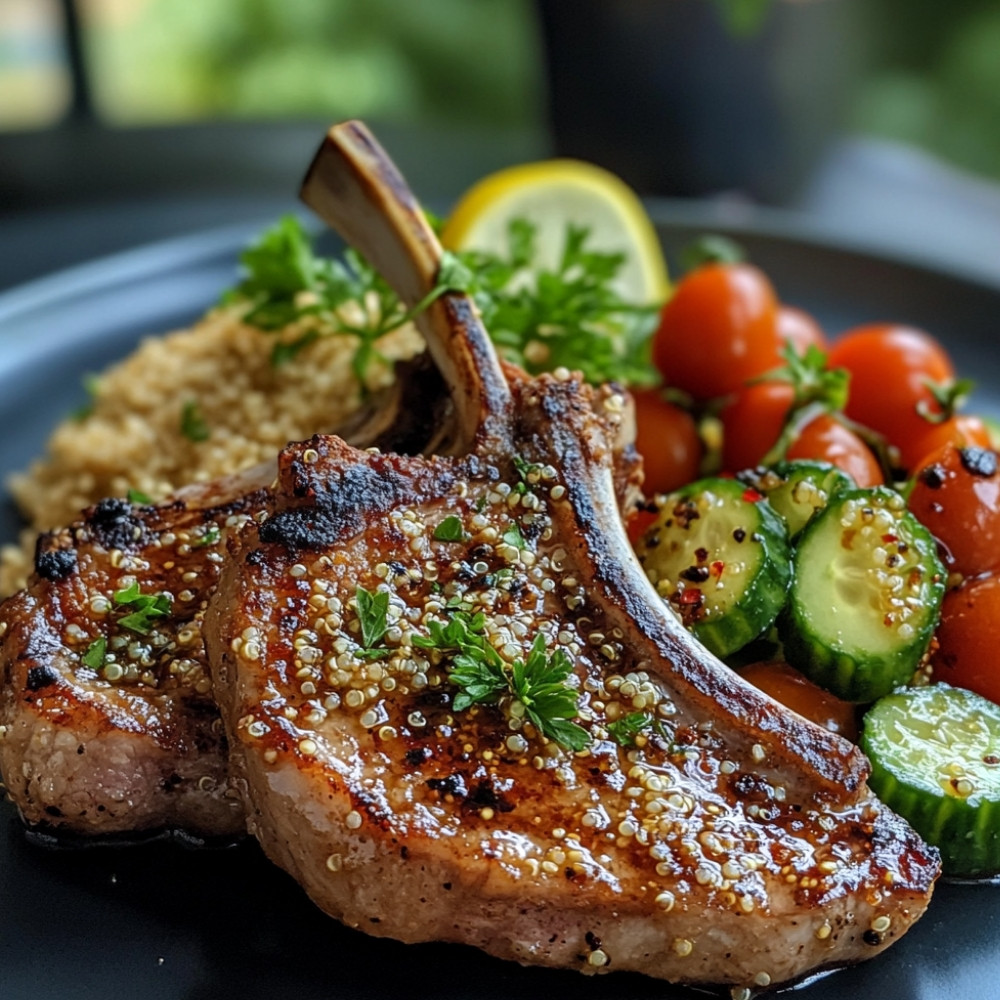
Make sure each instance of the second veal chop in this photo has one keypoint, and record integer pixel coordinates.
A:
(401, 646)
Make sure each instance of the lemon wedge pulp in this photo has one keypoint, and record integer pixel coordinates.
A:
(552, 194)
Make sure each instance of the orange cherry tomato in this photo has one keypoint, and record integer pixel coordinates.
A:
(798, 328)
(827, 439)
(890, 367)
(968, 638)
(956, 495)
(667, 438)
(752, 421)
(962, 430)
(718, 330)
(785, 684)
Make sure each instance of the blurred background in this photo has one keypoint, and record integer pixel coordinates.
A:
(871, 121)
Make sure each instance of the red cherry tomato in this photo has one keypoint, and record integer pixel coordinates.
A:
(785, 684)
(799, 329)
(962, 430)
(667, 438)
(969, 636)
(827, 439)
(718, 330)
(752, 421)
(956, 494)
(890, 367)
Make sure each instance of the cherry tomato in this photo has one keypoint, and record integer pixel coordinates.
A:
(962, 430)
(969, 637)
(667, 438)
(890, 367)
(799, 329)
(827, 439)
(956, 494)
(718, 330)
(785, 684)
(752, 421)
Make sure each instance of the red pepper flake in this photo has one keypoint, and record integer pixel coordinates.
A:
(717, 567)
(752, 496)
(890, 538)
(692, 596)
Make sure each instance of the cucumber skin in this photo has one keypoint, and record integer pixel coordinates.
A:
(762, 601)
(858, 678)
(836, 481)
(769, 590)
(968, 836)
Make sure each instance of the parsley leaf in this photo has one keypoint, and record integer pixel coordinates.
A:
(482, 676)
(539, 683)
(285, 282)
(138, 497)
(145, 608)
(373, 610)
(90, 386)
(513, 536)
(210, 536)
(572, 316)
(540, 318)
(95, 654)
(450, 530)
(628, 727)
(193, 425)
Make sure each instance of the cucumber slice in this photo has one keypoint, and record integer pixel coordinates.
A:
(866, 595)
(719, 556)
(935, 754)
(797, 489)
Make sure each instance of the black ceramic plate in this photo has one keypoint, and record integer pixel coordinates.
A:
(161, 921)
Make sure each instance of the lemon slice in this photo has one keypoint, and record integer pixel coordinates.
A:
(552, 194)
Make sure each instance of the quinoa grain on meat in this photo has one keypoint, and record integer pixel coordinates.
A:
(134, 437)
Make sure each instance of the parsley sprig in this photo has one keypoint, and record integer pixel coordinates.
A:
(145, 608)
(286, 282)
(539, 317)
(373, 617)
(483, 676)
(542, 318)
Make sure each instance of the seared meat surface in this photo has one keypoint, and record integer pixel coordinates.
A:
(107, 721)
(700, 833)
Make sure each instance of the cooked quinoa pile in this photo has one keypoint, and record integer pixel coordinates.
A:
(188, 407)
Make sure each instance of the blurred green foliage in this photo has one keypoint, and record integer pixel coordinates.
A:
(934, 78)
(393, 59)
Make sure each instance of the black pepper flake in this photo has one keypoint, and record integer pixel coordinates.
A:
(40, 677)
(872, 937)
(593, 941)
(739, 534)
(932, 476)
(55, 564)
(979, 461)
(695, 574)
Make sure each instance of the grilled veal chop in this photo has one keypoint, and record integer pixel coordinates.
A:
(406, 761)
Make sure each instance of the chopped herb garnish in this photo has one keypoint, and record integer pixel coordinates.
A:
(450, 530)
(211, 535)
(540, 318)
(138, 497)
(193, 425)
(90, 384)
(285, 282)
(571, 316)
(513, 536)
(627, 728)
(373, 610)
(95, 654)
(480, 505)
(482, 676)
(145, 608)
(528, 473)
